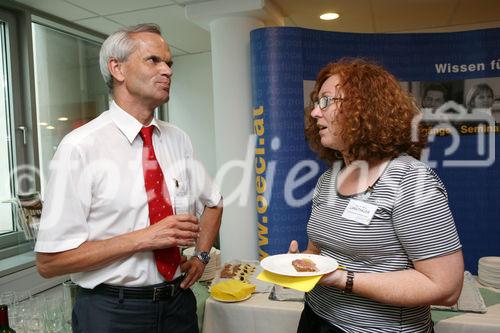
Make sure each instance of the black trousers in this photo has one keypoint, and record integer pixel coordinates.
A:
(100, 313)
(312, 323)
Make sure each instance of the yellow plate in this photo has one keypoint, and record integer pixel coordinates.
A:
(231, 301)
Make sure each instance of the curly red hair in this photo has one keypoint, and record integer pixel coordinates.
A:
(376, 116)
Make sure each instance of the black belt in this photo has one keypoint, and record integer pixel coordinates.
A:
(155, 293)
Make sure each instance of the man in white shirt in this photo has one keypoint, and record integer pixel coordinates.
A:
(99, 219)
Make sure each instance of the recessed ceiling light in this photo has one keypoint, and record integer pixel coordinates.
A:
(329, 16)
(62, 118)
(50, 127)
(43, 123)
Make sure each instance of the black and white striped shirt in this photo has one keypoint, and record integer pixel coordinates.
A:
(412, 222)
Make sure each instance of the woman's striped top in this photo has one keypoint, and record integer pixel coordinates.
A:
(412, 222)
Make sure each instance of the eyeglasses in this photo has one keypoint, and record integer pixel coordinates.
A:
(325, 102)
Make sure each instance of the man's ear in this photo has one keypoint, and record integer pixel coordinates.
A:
(115, 69)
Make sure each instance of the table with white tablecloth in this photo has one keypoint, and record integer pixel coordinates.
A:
(459, 322)
(257, 314)
(472, 322)
(260, 314)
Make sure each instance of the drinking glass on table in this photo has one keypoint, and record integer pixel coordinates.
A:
(53, 316)
(22, 310)
(70, 291)
(9, 298)
(35, 321)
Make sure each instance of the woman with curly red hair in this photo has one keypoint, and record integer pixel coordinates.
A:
(379, 211)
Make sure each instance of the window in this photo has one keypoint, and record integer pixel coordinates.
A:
(50, 83)
(69, 88)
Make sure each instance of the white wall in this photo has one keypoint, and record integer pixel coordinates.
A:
(191, 104)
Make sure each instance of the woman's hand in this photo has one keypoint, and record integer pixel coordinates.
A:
(337, 278)
(294, 247)
(311, 248)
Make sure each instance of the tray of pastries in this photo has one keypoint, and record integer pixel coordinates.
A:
(244, 271)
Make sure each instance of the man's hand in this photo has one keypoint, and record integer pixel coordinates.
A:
(193, 268)
(174, 230)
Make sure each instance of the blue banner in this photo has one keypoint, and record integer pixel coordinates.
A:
(285, 62)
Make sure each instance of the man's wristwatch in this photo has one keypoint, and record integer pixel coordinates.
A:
(202, 255)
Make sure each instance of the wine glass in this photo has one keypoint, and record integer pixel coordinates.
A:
(70, 290)
(8, 298)
(35, 322)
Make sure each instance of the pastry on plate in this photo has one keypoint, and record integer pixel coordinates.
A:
(304, 265)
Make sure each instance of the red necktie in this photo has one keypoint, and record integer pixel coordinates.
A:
(159, 205)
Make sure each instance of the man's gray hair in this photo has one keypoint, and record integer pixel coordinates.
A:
(119, 45)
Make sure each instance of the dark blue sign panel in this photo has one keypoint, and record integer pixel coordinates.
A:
(285, 62)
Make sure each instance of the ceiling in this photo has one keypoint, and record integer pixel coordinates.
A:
(185, 37)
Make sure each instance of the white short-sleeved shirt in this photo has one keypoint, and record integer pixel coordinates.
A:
(412, 222)
(96, 191)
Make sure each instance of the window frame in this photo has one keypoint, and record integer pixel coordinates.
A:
(15, 120)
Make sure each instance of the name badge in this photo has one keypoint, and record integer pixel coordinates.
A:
(359, 211)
